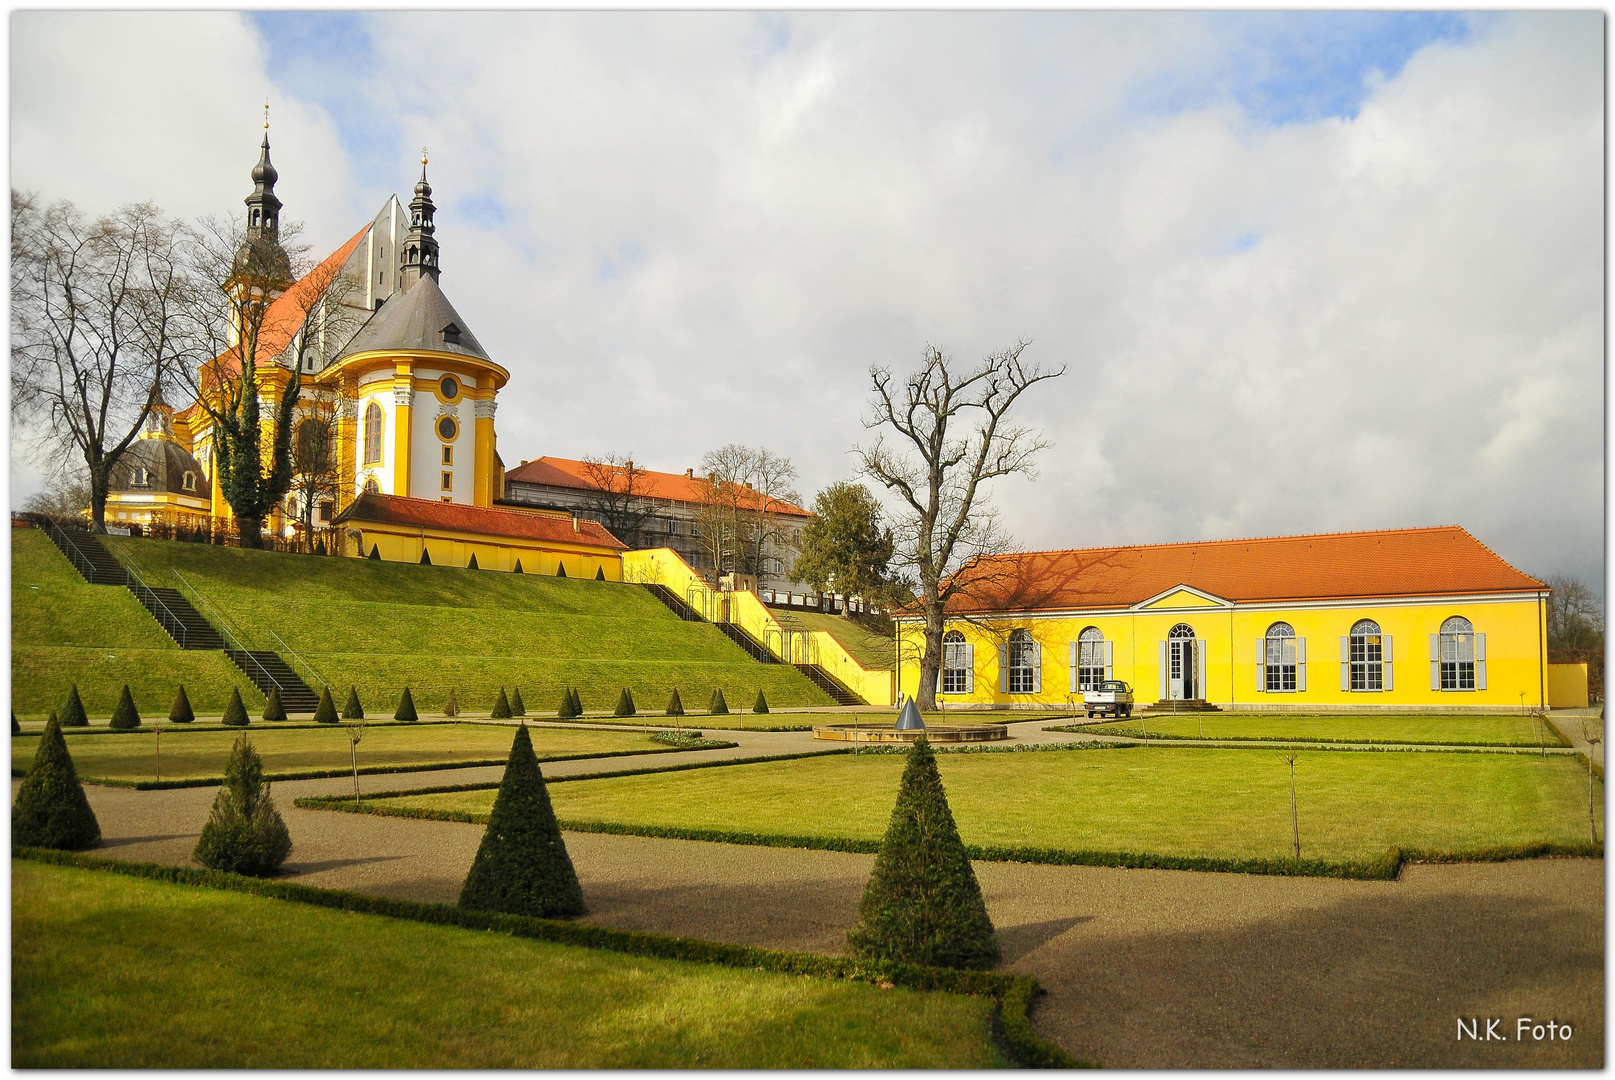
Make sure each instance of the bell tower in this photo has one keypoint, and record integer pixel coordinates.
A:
(420, 245)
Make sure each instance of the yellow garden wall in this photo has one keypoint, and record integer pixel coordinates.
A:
(448, 548)
(1567, 686)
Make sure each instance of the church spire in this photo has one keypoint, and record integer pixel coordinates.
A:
(263, 208)
(420, 247)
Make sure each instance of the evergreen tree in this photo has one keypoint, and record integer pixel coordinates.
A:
(719, 707)
(73, 714)
(125, 717)
(923, 904)
(273, 709)
(518, 567)
(761, 704)
(406, 708)
(501, 706)
(560, 569)
(675, 707)
(235, 713)
(326, 713)
(565, 711)
(451, 707)
(16, 728)
(625, 704)
(375, 552)
(353, 710)
(522, 867)
(426, 560)
(600, 573)
(51, 810)
(181, 712)
(244, 834)
(517, 706)
(577, 702)
(472, 565)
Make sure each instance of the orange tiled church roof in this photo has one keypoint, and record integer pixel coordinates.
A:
(427, 513)
(566, 472)
(1443, 560)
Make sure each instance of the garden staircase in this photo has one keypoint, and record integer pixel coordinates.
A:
(85, 551)
(175, 614)
(269, 672)
(1167, 708)
(754, 648)
(675, 603)
(828, 683)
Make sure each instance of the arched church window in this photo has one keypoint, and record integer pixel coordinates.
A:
(955, 663)
(188, 481)
(1457, 652)
(1365, 650)
(373, 422)
(1090, 658)
(1023, 657)
(371, 487)
(1280, 657)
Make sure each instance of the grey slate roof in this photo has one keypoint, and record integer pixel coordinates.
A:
(415, 320)
(166, 464)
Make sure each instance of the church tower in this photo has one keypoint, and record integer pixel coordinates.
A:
(420, 245)
(261, 265)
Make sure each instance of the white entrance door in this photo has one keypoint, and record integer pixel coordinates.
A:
(1183, 683)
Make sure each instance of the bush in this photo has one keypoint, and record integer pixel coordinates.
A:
(517, 706)
(51, 810)
(923, 904)
(625, 704)
(73, 714)
(326, 713)
(565, 711)
(353, 710)
(16, 728)
(719, 707)
(406, 708)
(273, 709)
(181, 712)
(125, 717)
(522, 867)
(451, 707)
(501, 706)
(244, 834)
(235, 713)
(577, 702)
(675, 707)
(761, 704)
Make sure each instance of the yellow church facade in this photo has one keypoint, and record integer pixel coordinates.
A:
(1426, 620)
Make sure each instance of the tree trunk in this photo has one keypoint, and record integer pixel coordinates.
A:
(931, 658)
(98, 501)
(252, 531)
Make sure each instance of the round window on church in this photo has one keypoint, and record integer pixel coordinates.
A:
(451, 388)
(447, 429)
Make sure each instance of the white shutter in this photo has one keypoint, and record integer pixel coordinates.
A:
(1300, 664)
(1435, 661)
(970, 669)
(1110, 659)
(1003, 669)
(1386, 654)
(1163, 671)
(939, 680)
(1073, 687)
(1480, 661)
(1345, 664)
(1200, 666)
(1261, 665)
(1037, 667)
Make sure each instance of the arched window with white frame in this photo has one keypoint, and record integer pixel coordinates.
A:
(1091, 659)
(1020, 664)
(958, 664)
(1457, 656)
(1366, 658)
(1281, 660)
(373, 424)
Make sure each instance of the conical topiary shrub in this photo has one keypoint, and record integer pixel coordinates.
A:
(16, 728)
(181, 712)
(406, 708)
(235, 713)
(326, 713)
(675, 707)
(923, 904)
(273, 709)
(73, 714)
(244, 834)
(125, 717)
(353, 710)
(518, 707)
(451, 707)
(522, 867)
(51, 810)
(564, 712)
(625, 704)
(719, 707)
(761, 704)
(577, 702)
(501, 706)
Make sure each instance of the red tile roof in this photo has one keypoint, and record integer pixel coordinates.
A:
(1438, 561)
(568, 473)
(513, 524)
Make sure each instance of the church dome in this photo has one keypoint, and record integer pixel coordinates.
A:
(422, 319)
(158, 467)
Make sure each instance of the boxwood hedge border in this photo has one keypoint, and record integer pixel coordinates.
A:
(1012, 995)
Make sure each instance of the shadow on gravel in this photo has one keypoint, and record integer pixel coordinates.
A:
(292, 869)
(1017, 941)
(125, 841)
(1374, 982)
(811, 915)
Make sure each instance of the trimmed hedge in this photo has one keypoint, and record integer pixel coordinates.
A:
(517, 706)
(51, 810)
(353, 710)
(326, 713)
(235, 713)
(1013, 994)
(73, 714)
(501, 706)
(125, 717)
(675, 707)
(273, 709)
(1556, 740)
(718, 706)
(625, 704)
(406, 709)
(181, 712)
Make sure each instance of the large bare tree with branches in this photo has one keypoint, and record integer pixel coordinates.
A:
(943, 434)
(743, 491)
(96, 312)
(621, 496)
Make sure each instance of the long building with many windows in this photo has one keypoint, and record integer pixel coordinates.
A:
(1404, 619)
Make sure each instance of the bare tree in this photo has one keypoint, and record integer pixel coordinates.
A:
(67, 497)
(621, 497)
(95, 314)
(952, 437)
(315, 477)
(1575, 614)
(743, 492)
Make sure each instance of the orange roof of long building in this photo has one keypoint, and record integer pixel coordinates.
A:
(458, 517)
(568, 473)
(1444, 560)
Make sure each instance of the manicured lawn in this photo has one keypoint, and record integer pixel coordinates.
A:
(1353, 727)
(115, 972)
(874, 651)
(1232, 803)
(193, 754)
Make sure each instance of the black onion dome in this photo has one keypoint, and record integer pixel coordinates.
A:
(164, 465)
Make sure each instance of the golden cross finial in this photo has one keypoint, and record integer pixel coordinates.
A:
(266, 114)
(423, 155)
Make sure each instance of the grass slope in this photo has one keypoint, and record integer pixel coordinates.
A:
(101, 979)
(876, 652)
(190, 754)
(1225, 804)
(65, 630)
(1351, 727)
(380, 625)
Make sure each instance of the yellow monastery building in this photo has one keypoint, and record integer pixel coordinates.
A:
(1427, 619)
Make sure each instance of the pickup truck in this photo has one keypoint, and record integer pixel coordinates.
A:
(1114, 698)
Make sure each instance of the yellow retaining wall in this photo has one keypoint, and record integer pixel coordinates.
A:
(1567, 686)
(403, 543)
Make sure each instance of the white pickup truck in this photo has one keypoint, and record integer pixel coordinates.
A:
(1112, 697)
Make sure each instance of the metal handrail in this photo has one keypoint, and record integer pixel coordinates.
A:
(136, 583)
(222, 625)
(297, 659)
(81, 562)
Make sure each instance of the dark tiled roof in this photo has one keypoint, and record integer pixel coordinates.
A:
(166, 464)
(416, 320)
(514, 524)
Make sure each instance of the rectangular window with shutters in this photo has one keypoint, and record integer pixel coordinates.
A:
(1280, 665)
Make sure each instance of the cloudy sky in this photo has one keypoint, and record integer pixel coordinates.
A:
(1307, 273)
